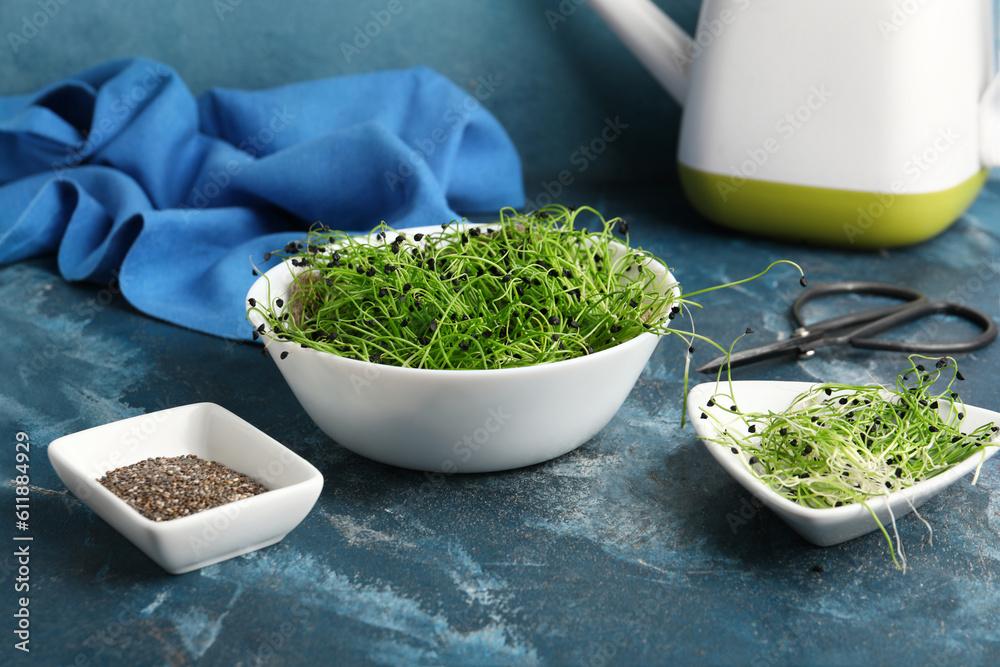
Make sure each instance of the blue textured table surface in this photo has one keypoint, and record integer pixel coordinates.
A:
(634, 549)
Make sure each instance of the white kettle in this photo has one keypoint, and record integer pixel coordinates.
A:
(858, 123)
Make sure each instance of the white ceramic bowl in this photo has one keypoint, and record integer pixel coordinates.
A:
(212, 433)
(823, 527)
(449, 421)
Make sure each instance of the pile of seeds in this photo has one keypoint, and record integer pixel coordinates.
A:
(529, 289)
(165, 488)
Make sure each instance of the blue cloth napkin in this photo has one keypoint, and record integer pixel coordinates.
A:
(129, 178)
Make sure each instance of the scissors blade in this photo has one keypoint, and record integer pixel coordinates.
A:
(795, 344)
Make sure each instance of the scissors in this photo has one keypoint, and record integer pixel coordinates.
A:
(859, 329)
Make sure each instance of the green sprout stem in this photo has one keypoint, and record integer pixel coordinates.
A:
(530, 289)
(839, 444)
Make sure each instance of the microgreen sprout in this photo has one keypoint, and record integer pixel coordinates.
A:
(530, 289)
(839, 444)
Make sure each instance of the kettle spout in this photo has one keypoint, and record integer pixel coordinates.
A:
(659, 43)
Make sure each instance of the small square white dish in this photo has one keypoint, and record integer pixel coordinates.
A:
(823, 527)
(212, 433)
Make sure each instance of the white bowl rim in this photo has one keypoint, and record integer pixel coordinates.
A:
(642, 338)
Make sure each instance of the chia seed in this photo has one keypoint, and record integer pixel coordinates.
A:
(165, 488)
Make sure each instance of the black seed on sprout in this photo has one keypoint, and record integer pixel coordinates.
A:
(264, 352)
(749, 331)
(279, 302)
(843, 401)
(732, 408)
(254, 334)
(615, 328)
(555, 338)
(828, 391)
(370, 272)
(520, 290)
(284, 355)
(567, 274)
(783, 431)
(267, 256)
(959, 376)
(961, 415)
(424, 340)
(554, 321)
(463, 345)
(804, 475)
(474, 232)
(888, 484)
(383, 291)
(807, 451)
(260, 329)
(752, 429)
(553, 273)
(590, 350)
(691, 350)
(793, 442)
(734, 450)
(255, 272)
(418, 236)
(838, 503)
(253, 302)
(623, 227)
(633, 303)
(803, 281)
(465, 238)
(544, 311)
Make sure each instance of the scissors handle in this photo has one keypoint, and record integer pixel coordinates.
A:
(862, 337)
(841, 287)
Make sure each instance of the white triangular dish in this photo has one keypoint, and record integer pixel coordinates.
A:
(823, 527)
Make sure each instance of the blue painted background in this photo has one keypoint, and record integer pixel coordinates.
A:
(562, 72)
